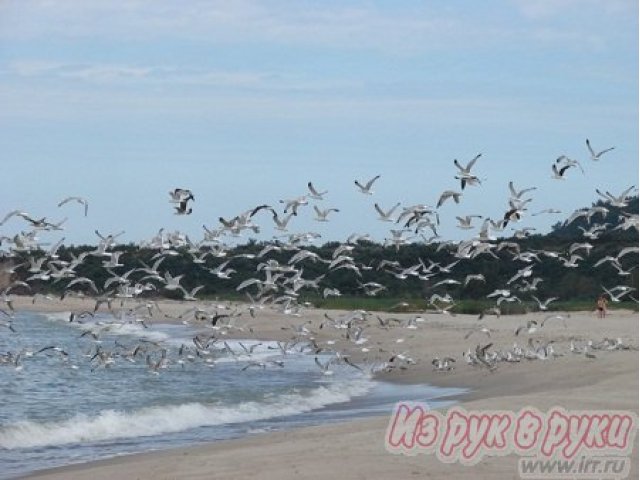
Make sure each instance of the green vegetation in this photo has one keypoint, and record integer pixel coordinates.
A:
(576, 288)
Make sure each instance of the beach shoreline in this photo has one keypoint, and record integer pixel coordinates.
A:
(609, 382)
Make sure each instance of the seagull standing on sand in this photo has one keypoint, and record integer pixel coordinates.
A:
(444, 364)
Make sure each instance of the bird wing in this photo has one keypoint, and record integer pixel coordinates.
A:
(472, 162)
(196, 290)
(315, 192)
(312, 190)
(593, 154)
(626, 192)
(370, 182)
(605, 151)
(11, 214)
(66, 200)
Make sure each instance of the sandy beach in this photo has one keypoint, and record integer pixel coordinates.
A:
(253, 240)
(356, 449)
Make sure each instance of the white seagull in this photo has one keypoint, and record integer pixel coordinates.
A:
(315, 194)
(366, 188)
(621, 200)
(80, 200)
(321, 215)
(558, 174)
(465, 222)
(517, 194)
(564, 161)
(448, 194)
(281, 224)
(464, 175)
(596, 156)
(385, 216)
(544, 305)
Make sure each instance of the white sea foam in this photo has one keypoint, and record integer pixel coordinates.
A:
(263, 350)
(167, 334)
(113, 424)
(111, 327)
(57, 316)
(138, 331)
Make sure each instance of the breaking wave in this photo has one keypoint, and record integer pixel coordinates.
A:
(113, 424)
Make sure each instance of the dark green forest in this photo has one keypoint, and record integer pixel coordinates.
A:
(581, 283)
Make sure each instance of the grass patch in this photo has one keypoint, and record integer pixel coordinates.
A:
(408, 305)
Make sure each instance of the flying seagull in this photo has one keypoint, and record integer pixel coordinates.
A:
(619, 201)
(385, 216)
(464, 174)
(315, 194)
(80, 200)
(564, 161)
(179, 195)
(366, 188)
(321, 215)
(448, 194)
(558, 174)
(596, 156)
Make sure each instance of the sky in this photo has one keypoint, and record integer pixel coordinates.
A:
(244, 102)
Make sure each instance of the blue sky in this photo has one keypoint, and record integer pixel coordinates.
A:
(244, 102)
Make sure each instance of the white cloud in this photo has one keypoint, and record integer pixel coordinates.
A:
(553, 36)
(545, 9)
(106, 72)
(140, 76)
(34, 68)
(363, 26)
(395, 29)
(98, 72)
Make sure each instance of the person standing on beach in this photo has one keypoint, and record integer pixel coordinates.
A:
(601, 306)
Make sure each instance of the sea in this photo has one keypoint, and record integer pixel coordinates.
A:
(61, 407)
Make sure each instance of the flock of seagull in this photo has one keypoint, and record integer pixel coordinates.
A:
(127, 295)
